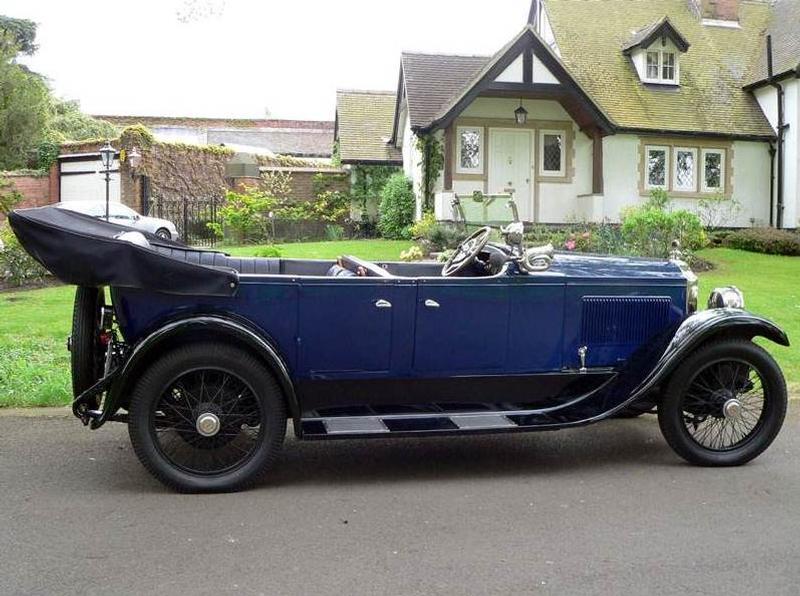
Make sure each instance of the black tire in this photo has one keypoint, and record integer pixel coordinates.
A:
(164, 233)
(698, 392)
(86, 351)
(165, 407)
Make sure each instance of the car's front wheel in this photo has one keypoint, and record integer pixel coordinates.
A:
(724, 405)
(207, 417)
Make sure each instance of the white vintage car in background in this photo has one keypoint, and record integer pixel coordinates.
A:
(124, 216)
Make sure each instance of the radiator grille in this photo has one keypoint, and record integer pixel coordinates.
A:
(628, 320)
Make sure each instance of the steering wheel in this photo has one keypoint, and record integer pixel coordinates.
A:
(466, 252)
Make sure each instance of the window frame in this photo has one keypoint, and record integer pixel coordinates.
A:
(480, 168)
(722, 157)
(695, 169)
(667, 166)
(562, 172)
(647, 54)
(660, 79)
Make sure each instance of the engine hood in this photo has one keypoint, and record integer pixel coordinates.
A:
(607, 267)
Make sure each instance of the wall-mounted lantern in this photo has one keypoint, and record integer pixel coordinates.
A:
(521, 114)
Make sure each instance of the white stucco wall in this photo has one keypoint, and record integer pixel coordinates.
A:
(767, 99)
(750, 179)
(495, 107)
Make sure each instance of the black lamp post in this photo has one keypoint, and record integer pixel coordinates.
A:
(107, 154)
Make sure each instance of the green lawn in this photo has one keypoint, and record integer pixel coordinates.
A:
(34, 324)
(771, 287)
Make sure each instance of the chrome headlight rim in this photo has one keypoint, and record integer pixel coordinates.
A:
(726, 297)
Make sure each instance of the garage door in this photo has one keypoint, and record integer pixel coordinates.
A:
(83, 179)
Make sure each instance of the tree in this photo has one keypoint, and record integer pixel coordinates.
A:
(17, 35)
(68, 123)
(24, 110)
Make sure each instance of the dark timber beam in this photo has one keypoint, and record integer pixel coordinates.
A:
(449, 157)
(597, 162)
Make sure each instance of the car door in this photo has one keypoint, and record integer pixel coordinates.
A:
(461, 326)
(345, 327)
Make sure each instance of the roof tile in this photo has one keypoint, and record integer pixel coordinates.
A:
(364, 126)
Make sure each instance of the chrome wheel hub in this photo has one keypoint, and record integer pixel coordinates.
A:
(208, 424)
(732, 409)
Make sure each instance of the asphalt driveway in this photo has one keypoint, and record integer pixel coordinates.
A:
(607, 509)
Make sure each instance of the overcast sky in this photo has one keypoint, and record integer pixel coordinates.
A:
(239, 58)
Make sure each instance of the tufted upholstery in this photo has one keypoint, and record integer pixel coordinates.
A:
(243, 265)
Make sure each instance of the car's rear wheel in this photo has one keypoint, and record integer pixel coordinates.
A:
(207, 418)
(724, 405)
(164, 233)
(86, 348)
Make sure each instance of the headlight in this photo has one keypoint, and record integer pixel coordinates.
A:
(692, 298)
(729, 297)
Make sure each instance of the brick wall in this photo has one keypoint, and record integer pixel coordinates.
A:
(37, 190)
(303, 183)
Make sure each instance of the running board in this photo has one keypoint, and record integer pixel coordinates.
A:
(342, 427)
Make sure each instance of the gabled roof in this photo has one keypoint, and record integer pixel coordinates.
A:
(438, 87)
(432, 80)
(662, 28)
(785, 30)
(364, 125)
(710, 99)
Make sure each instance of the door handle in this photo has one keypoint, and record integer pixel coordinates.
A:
(383, 304)
(431, 303)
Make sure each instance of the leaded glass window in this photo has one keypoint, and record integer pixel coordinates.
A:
(470, 150)
(552, 152)
(713, 170)
(685, 170)
(656, 167)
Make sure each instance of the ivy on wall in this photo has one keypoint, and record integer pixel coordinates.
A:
(431, 151)
(368, 183)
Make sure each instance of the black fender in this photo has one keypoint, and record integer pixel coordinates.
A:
(706, 326)
(222, 326)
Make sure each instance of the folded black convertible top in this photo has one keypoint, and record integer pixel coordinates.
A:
(85, 251)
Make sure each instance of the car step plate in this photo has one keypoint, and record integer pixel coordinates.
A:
(478, 421)
(355, 426)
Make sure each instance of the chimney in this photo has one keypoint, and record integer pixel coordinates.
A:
(717, 10)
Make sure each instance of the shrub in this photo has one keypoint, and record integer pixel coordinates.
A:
(435, 236)
(334, 232)
(269, 252)
(649, 230)
(412, 254)
(17, 267)
(765, 240)
(396, 208)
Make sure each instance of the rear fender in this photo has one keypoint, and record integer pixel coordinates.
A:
(211, 326)
(705, 326)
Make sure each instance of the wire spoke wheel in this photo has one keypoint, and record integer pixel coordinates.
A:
(207, 421)
(724, 405)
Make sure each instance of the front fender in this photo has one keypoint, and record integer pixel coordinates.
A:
(223, 326)
(702, 327)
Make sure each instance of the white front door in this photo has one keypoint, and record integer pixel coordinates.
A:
(511, 167)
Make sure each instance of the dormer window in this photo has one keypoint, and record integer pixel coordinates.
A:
(661, 67)
(654, 50)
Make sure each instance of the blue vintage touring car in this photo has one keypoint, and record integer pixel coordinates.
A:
(206, 356)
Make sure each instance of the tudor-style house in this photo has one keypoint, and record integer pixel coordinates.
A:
(596, 103)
